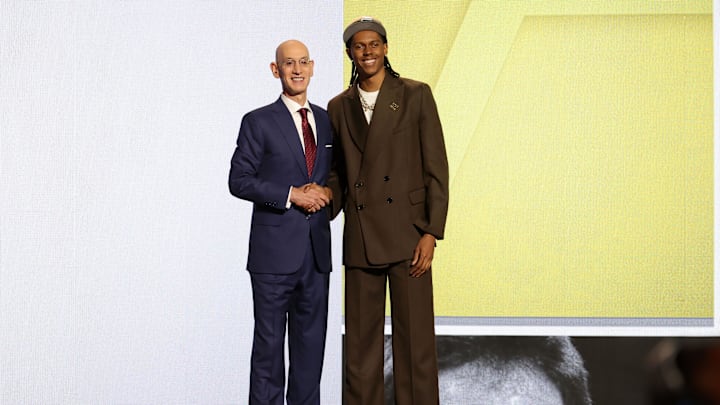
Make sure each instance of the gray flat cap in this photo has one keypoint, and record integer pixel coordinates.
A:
(363, 24)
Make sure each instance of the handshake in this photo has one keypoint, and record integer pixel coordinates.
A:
(311, 197)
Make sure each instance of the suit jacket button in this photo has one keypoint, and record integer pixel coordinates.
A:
(389, 200)
(386, 178)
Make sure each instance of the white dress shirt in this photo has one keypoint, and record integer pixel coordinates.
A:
(293, 107)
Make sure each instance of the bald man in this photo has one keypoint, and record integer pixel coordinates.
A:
(281, 165)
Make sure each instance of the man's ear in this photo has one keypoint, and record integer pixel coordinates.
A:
(274, 70)
(349, 54)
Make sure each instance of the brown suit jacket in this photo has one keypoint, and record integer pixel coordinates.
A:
(390, 177)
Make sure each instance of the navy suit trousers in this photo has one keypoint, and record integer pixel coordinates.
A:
(300, 301)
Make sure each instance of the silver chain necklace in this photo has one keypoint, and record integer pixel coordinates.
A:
(365, 105)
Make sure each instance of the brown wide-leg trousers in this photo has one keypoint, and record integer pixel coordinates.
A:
(413, 336)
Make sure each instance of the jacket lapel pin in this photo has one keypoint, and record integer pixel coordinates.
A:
(394, 106)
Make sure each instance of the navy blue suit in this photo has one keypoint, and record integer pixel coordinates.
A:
(289, 256)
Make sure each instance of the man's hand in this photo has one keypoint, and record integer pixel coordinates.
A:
(422, 255)
(325, 190)
(311, 197)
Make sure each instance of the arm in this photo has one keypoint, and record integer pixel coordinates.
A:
(336, 177)
(434, 166)
(254, 173)
(336, 190)
(436, 179)
(244, 181)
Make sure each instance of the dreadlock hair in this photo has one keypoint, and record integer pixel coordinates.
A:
(386, 64)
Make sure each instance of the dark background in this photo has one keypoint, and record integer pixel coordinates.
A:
(618, 367)
(627, 370)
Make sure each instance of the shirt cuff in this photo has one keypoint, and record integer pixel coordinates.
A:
(288, 204)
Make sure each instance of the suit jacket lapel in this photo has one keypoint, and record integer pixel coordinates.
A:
(322, 136)
(356, 118)
(286, 127)
(385, 116)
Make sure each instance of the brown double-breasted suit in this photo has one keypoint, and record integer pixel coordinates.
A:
(394, 172)
(391, 179)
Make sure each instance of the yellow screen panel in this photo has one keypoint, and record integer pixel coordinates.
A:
(580, 143)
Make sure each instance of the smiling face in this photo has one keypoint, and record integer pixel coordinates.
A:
(294, 68)
(367, 50)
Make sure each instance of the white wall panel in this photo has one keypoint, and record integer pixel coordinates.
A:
(122, 254)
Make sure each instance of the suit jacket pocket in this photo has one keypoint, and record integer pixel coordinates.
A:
(417, 196)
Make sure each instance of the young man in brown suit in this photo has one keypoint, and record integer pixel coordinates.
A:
(391, 177)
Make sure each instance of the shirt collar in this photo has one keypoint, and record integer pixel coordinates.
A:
(292, 105)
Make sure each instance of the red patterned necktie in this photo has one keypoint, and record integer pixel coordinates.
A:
(310, 148)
